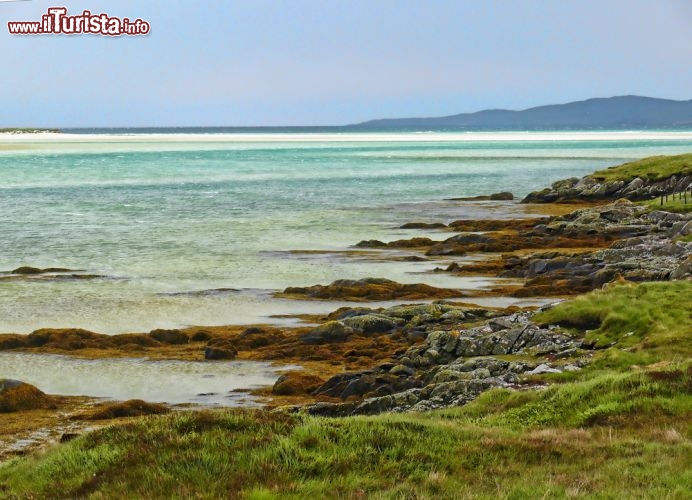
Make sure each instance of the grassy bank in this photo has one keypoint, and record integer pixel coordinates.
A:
(672, 204)
(654, 168)
(640, 324)
(619, 429)
(612, 437)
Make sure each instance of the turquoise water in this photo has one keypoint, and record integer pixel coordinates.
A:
(164, 215)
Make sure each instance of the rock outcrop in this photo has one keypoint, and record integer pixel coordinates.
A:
(370, 289)
(591, 188)
(450, 368)
(627, 241)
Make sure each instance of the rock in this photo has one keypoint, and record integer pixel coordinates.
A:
(173, 337)
(416, 242)
(331, 331)
(131, 408)
(253, 330)
(543, 368)
(472, 225)
(335, 386)
(201, 336)
(68, 436)
(402, 371)
(591, 188)
(331, 409)
(685, 230)
(504, 195)
(296, 383)
(371, 244)
(215, 353)
(11, 341)
(408, 312)
(370, 289)
(371, 323)
(27, 270)
(18, 396)
(423, 225)
(365, 383)
(68, 339)
(683, 270)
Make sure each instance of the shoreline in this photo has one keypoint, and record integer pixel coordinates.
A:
(364, 359)
(350, 136)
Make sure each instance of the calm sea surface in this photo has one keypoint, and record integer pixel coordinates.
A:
(166, 218)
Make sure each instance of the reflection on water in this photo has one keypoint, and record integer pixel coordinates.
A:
(174, 382)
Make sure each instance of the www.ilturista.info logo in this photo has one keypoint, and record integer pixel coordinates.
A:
(57, 22)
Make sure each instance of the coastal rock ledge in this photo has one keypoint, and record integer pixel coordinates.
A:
(636, 181)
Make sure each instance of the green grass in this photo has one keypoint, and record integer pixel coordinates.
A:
(672, 204)
(641, 323)
(653, 168)
(612, 431)
(608, 437)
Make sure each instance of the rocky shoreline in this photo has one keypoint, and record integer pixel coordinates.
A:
(444, 353)
(636, 181)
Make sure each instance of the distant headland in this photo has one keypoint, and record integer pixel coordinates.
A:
(621, 112)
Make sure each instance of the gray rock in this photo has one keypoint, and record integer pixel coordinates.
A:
(543, 368)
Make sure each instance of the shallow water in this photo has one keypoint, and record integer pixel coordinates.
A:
(174, 382)
(160, 216)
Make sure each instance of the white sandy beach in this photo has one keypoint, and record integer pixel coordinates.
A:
(635, 135)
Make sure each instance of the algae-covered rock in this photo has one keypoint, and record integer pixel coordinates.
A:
(19, 396)
(296, 383)
(27, 270)
(371, 323)
(174, 337)
(124, 409)
(331, 331)
(370, 289)
(216, 353)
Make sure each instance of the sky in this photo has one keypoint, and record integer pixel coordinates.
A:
(334, 62)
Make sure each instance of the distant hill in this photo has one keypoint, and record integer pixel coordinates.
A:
(599, 113)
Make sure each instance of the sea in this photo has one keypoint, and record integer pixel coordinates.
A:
(181, 227)
(201, 226)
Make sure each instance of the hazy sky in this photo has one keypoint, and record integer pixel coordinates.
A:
(300, 62)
